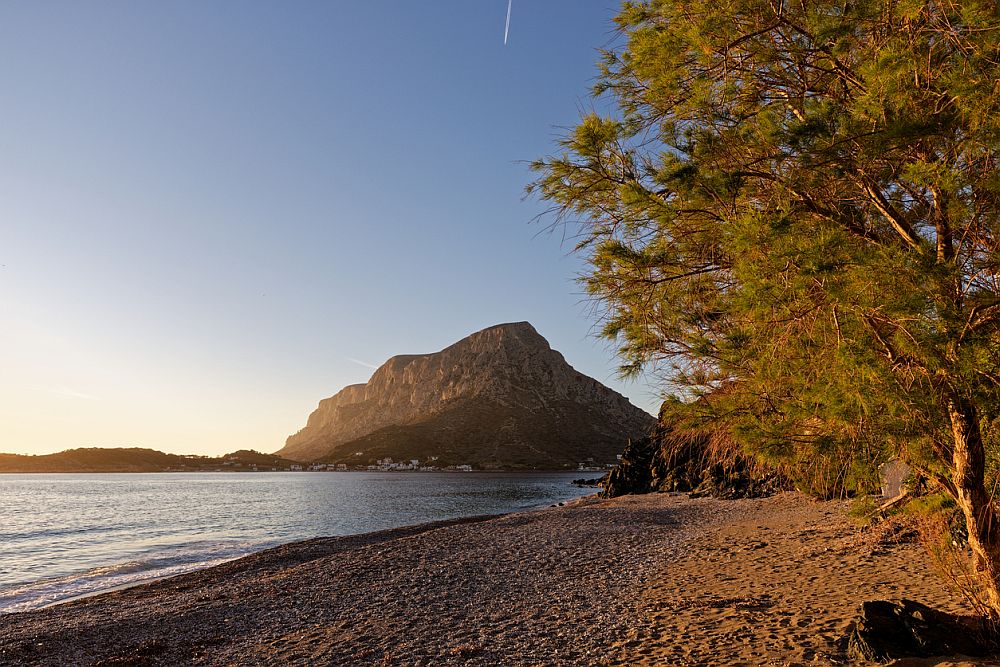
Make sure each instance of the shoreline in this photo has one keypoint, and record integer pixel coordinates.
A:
(214, 562)
(657, 579)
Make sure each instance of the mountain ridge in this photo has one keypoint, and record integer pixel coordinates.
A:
(136, 459)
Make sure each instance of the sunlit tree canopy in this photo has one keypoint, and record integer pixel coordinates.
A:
(792, 214)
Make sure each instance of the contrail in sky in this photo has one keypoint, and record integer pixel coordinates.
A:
(362, 363)
(506, 28)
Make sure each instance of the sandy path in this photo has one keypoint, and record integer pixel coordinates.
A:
(636, 580)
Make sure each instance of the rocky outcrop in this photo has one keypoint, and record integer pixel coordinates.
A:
(695, 462)
(501, 397)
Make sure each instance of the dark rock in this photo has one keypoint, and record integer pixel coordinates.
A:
(633, 474)
(958, 528)
(738, 479)
(689, 462)
(907, 629)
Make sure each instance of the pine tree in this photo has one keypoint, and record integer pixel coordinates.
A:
(793, 214)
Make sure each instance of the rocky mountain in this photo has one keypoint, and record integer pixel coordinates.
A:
(500, 398)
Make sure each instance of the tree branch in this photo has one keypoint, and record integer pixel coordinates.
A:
(897, 221)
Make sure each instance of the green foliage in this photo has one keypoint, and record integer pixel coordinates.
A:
(931, 505)
(864, 510)
(793, 216)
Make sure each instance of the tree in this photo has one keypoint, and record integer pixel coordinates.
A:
(797, 201)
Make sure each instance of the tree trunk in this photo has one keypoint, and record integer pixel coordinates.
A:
(968, 470)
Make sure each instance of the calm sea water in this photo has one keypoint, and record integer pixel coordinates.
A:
(62, 536)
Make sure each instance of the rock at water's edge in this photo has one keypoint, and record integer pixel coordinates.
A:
(689, 462)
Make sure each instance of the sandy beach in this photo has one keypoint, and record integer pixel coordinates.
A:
(637, 580)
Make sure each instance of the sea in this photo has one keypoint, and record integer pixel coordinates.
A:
(64, 536)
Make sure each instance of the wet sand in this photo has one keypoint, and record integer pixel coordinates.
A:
(638, 580)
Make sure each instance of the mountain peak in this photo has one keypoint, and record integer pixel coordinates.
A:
(518, 333)
(503, 384)
(523, 328)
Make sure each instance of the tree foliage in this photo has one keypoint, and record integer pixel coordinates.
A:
(793, 215)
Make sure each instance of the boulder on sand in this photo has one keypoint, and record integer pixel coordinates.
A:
(907, 629)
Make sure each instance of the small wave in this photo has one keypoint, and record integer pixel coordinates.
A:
(119, 575)
(50, 533)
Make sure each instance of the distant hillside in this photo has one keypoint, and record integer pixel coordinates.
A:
(97, 459)
(500, 398)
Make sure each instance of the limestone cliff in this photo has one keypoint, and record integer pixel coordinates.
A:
(498, 398)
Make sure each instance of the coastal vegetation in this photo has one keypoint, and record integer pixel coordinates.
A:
(138, 459)
(791, 218)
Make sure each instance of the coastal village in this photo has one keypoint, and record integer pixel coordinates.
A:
(385, 465)
(381, 465)
(388, 465)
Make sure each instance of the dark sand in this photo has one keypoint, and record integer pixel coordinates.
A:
(653, 580)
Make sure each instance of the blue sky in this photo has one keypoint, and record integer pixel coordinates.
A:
(210, 212)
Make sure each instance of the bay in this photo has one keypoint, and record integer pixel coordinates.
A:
(67, 535)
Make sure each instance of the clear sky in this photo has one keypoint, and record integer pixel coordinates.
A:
(214, 214)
